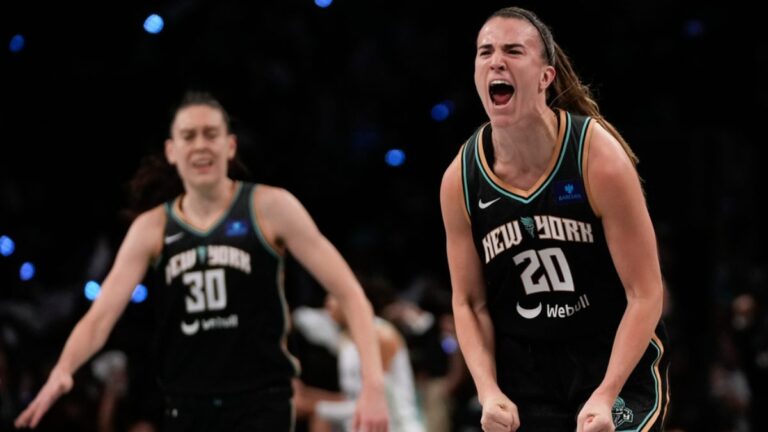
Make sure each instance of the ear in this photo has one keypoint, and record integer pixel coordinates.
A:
(547, 77)
(170, 156)
(231, 146)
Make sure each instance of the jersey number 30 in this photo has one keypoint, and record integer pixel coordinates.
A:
(207, 290)
(557, 274)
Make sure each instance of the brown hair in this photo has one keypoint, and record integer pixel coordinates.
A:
(156, 181)
(567, 92)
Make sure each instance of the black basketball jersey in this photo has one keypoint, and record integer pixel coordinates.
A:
(222, 312)
(547, 269)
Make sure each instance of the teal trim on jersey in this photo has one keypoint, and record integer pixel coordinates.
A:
(280, 282)
(543, 186)
(255, 223)
(155, 263)
(201, 233)
(581, 142)
(655, 391)
(464, 151)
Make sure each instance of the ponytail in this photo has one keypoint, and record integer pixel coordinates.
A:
(569, 94)
(566, 92)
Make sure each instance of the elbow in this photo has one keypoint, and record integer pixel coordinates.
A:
(466, 304)
(650, 301)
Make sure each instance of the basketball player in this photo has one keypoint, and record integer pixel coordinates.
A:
(219, 247)
(338, 410)
(557, 287)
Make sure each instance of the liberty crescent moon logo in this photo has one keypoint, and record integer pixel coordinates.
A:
(190, 329)
(529, 313)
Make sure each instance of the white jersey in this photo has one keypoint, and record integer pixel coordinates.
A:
(401, 393)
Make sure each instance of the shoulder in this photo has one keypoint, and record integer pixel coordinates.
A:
(281, 215)
(272, 200)
(390, 341)
(452, 174)
(451, 191)
(146, 232)
(606, 158)
(388, 333)
(151, 219)
(609, 168)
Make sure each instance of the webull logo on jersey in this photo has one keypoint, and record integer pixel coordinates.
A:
(554, 310)
(213, 255)
(213, 323)
(543, 227)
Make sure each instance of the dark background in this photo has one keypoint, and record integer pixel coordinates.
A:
(319, 95)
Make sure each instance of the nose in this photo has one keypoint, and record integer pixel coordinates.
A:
(199, 141)
(497, 64)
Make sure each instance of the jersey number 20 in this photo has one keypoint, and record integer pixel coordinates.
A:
(557, 275)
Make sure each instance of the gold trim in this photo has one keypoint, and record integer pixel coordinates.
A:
(536, 186)
(657, 374)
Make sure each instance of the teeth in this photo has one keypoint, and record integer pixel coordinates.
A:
(498, 81)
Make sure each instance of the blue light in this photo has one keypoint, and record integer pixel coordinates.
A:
(139, 294)
(395, 157)
(442, 111)
(323, 3)
(154, 24)
(17, 43)
(7, 246)
(92, 290)
(27, 271)
(449, 344)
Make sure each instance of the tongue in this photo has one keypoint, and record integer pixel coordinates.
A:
(501, 98)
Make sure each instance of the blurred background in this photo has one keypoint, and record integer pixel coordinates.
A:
(358, 108)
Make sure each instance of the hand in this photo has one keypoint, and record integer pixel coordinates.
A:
(595, 416)
(499, 414)
(58, 384)
(371, 414)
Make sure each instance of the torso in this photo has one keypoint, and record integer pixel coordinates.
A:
(222, 314)
(547, 269)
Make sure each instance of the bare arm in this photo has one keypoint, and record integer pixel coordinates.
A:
(473, 322)
(140, 244)
(617, 197)
(287, 222)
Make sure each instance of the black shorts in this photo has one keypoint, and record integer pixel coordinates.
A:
(550, 381)
(269, 410)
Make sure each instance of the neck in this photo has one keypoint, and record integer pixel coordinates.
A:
(203, 202)
(527, 143)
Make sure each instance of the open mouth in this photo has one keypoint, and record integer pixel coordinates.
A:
(202, 163)
(501, 92)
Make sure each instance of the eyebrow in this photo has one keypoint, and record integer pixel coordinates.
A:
(505, 46)
(205, 128)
